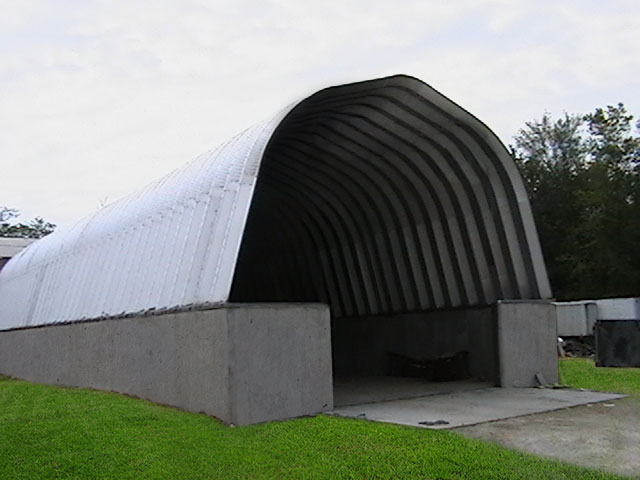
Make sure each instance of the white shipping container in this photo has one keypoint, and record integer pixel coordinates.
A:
(618, 309)
(576, 319)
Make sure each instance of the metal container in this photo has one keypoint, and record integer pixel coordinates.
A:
(576, 319)
(618, 343)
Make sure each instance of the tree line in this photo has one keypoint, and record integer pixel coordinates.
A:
(34, 228)
(582, 174)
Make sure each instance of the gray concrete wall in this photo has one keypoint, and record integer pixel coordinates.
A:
(280, 362)
(361, 345)
(527, 343)
(242, 363)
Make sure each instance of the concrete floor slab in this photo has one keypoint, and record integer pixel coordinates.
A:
(359, 390)
(470, 407)
(602, 435)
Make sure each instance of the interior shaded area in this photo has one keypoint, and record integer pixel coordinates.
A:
(391, 204)
(349, 391)
(439, 346)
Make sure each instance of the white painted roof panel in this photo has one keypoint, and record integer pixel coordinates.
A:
(376, 197)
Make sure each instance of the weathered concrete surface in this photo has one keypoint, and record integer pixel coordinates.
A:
(359, 390)
(600, 435)
(279, 361)
(527, 343)
(361, 345)
(242, 364)
(471, 407)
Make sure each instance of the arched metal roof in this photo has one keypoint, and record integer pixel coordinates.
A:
(375, 197)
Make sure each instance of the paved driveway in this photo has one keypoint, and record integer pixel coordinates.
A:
(600, 435)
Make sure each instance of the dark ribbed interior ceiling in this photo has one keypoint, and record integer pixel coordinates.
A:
(375, 199)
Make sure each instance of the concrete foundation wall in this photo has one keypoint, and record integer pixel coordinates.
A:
(242, 363)
(279, 362)
(527, 343)
(361, 345)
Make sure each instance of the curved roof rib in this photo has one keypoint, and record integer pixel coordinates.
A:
(392, 199)
(375, 197)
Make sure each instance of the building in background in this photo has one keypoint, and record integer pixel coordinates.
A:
(10, 247)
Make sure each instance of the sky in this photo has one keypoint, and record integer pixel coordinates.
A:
(99, 98)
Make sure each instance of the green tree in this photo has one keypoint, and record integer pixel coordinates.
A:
(582, 175)
(35, 228)
(551, 155)
(607, 237)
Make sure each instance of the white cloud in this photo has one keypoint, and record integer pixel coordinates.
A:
(101, 97)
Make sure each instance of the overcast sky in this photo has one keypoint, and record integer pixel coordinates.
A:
(99, 98)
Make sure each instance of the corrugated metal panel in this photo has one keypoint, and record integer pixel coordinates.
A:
(376, 197)
(172, 244)
(385, 197)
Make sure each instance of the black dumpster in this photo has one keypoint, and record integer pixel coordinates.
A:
(618, 343)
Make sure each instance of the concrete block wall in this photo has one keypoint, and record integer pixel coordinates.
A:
(527, 343)
(249, 363)
(241, 363)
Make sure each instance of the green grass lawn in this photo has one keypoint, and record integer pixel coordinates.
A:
(48, 432)
(582, 373)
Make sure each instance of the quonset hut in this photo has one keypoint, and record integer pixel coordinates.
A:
(370, 229)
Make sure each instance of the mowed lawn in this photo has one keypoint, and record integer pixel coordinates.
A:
(582, 373)
(48, 432)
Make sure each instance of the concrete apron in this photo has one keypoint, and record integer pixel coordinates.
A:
(471, 407)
